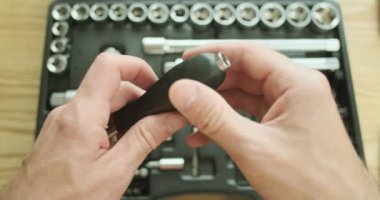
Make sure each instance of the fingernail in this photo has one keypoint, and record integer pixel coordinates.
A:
(184, 95)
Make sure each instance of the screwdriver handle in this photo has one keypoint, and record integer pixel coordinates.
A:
(208, 68)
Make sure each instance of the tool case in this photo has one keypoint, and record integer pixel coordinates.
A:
(218, 174)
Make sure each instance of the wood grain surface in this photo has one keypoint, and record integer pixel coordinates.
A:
(22, 29)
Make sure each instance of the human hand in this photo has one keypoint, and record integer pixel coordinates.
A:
(299, 149)
(72, 158)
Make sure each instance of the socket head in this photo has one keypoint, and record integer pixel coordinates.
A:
(60, 28)
(99, 12)
(201, 14)
(61, 12)
(158, 13)
(224, 14)
(247, 14)
(59, 45)
(118, 12)
(179, 13)
(272, 15)
(325, 16)
(80, 12)
(298, 15)
(138, 12)
(57, 63)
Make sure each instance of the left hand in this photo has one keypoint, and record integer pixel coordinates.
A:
(72, 158)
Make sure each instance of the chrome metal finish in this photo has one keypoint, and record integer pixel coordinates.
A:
(59, 98)
(60, 28)
(171, 64)
(59, 45)
(61, 12)
(247, 14)
(99, 12)
(158, 13)
(138, 12)
(222, 61)
(325, 16)
(224, 14)
(179, 13)
(298, 15)
(80, 12)
(272, 15)
(167, 164)
(118, 12)
(57, 63)
(201, 14)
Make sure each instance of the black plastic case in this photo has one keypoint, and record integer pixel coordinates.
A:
(218, 172)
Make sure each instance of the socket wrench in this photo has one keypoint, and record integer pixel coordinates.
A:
(60, 28)
(298, 15)
(158, 13)
(161, 45)
(325, 16)
(138, 12)
(272, 15)
(99, 12)
(57, 63)
(80, 12)
(201, 14)
(247, 15)
(59, 98)
(59, 45)
(61, 12)
(118, 12)
(224, 14)
(179, 13)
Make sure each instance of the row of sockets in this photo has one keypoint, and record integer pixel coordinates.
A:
(324, 15)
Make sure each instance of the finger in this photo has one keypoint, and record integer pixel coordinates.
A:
(145, 136)
(239, 80)
(208, 111)
(127, 92)
(197, 139)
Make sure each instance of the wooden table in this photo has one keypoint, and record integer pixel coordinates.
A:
(22, 30)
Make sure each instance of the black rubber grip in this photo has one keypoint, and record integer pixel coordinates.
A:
(203, 68)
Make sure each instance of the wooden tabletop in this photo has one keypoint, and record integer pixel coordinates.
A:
(22, 31)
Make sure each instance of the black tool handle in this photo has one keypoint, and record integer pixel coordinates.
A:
(208, 68)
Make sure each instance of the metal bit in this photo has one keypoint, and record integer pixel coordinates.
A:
(59, 45)
(224, 14)
(195, 159)
(247, 15)
(325, 16)
(60, 28)
(179, 13)
(167, 164)
(61, 12)
(272, 15)
(99, 12)
(60, 98)
(161, 45)
(57, 63)
(298, 15)
(142, 172)
(80, 12)
(201, 14)
(158, 13)
(138, 12)
(118, 12)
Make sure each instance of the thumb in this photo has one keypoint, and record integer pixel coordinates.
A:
(207, 110)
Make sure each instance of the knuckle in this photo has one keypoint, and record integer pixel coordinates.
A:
(145, 137)
(211, 121)
(317, 83)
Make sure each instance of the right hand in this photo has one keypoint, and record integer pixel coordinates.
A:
(299, 149)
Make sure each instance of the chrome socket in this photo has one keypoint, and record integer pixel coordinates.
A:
(224, 14)
(61, 12)
(99, 12)
(201, 14)
(80, 12)
(57, 63)
(272, 15)
(158, 13)
(298, 15)
(118, 12)
(59, 98)
(179, 13)
(59, 45)
(60, 28)
(138, 12)
(325, 16)
(247, 15)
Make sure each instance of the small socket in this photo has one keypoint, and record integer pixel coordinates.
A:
(59, 45)
(57, 63)
(80, 12)
(201, 14)
(61, 12)
(247, 15)
(99, 12)
(272, 15)
(224, 14)
(179, 13)
(138, 12)
(158, 13)
(118, 12)
(325, 16)
(298, 15)
(60, 28)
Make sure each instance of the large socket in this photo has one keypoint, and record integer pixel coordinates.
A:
(247, 14)
(80, 12)
(201, 15)
(298, 15)
(325, 16)
(158, 13)
(118, 12)
(99, 12)
(61, 12)
(272, 15)
(179, 13)
(138, 12)
(224, 14)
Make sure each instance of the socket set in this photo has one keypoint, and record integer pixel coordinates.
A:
(310, 32)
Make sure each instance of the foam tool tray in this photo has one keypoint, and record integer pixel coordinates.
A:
(158, 32)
